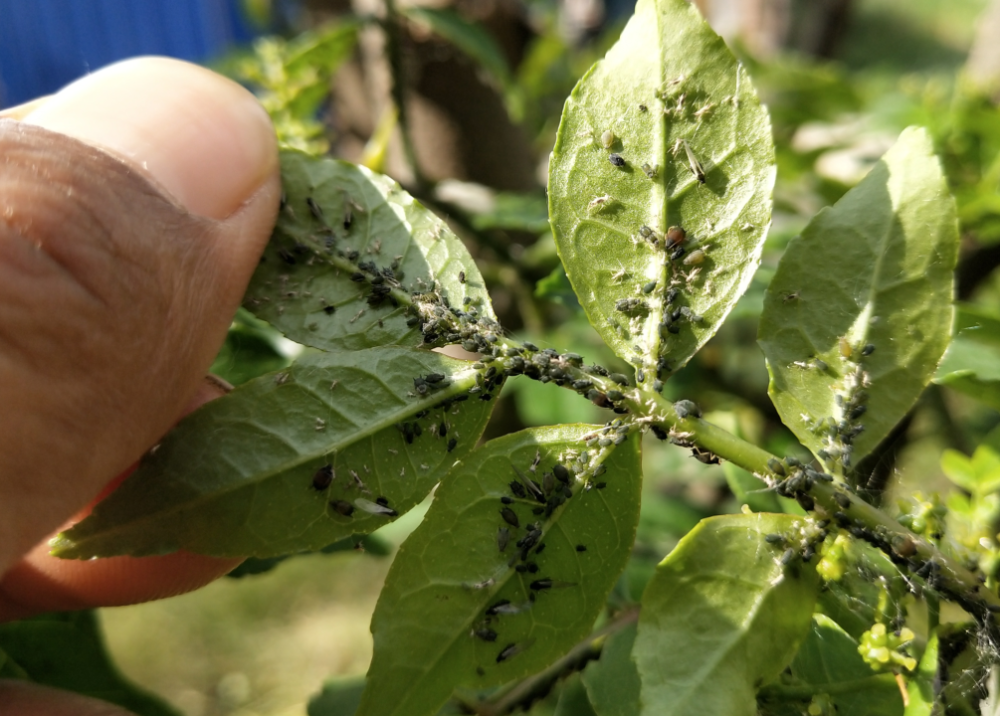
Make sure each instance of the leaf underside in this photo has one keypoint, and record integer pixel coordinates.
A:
(871, 275)
(433, 626)
(341, 222)
(721, 617)
(239, 476)
(669, 79)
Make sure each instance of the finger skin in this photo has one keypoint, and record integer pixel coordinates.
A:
(21, 698)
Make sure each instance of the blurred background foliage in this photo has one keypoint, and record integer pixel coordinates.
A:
(460, 100)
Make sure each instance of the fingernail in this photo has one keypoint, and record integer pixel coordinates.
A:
(203, 138)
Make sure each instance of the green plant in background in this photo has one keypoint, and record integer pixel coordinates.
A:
(538, 556)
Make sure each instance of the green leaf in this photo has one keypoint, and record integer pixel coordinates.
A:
(613, 681)
(367, 544)
(251, 350)
(971, 365)
(517, 212)
(573, 700)
(339, 697)
(668, 79)
(66, 651)
(874, 273)
(979, 474)
(450, 580)
(829, 661)
(238, 476)
(363, 225)
(922, 684)
(721, 617)
(10, 669)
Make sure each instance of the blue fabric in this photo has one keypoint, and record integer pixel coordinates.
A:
(45, 44)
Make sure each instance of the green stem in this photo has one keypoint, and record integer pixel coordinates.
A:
(394, 50)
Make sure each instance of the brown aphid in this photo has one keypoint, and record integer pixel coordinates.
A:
(675, 236)
(323, 477)
(343, 507)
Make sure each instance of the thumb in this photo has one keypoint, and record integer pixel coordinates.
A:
(134, 205)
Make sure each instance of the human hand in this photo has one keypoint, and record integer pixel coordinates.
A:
(134, 206)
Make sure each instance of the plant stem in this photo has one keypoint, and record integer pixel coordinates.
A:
(394, 50)
(788, 692)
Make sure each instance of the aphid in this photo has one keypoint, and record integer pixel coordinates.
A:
(775, 466)
(510, 517)
(617, 159)
(461, 276)
(774, 538)
(649, 287)
(496, 608)
(538, 550)
(357, 277)
(343, 507)
(843, 500)
(329, 310)
(598, 201)
(845, 348)
(651, 171)
(608, 139)
(658, 385)
(581, 548)
(486, 634)
(323, 477)
(503, 538)
(618, 378)
(868, 349)
(787, 557)
(508, 652)
(314, 208)
(684, 408)
(601, 485)
(675, 236)
(561, 473)
(287, 257)
(645, 232)
(857, 412)
(517, 488)
(540, 584)
(704, 456)
(348, 215)
(694, 258)
(452, 442)
(643, 108)
(375, 508)
(693, 164)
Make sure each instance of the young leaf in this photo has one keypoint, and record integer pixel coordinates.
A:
(721, 617)
(612, 682)
(926, 682)
(339, 697)
(829, 661)
(293, 462)
(66, 651)
(348, 252)
(665, 131)
(485, 591)
(859, 312)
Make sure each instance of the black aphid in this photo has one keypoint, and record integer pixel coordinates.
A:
(540, 584)
(538, 550)
(561, 473)
(507, 500)
(685, 408)
(581, 548)
(382, 501)
(843, 500)
(617, 159)
(357, 277)
(601, 485)
(868, 349)
(486, 634)
(517, 488)
(314, 208)
(508, 651)
(452, 442)
(461, 276)
(774, 538)
(659, 432)
(510, 517)
(328, 310)
(649, 287)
